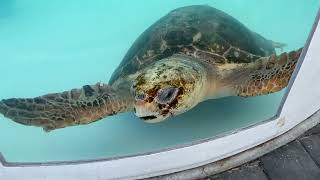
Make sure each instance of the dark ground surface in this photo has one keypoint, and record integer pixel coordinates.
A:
(297, 160)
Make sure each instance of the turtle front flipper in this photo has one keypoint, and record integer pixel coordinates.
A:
(78, 106)
(264, 76)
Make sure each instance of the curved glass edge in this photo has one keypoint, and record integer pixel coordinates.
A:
(4, 163)
(299, 63)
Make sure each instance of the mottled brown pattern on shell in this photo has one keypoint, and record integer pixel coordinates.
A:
(199, 31)
(236, 55)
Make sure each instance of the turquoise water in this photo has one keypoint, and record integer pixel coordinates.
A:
(52, 46)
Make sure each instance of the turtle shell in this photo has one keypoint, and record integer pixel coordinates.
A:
(199, 31)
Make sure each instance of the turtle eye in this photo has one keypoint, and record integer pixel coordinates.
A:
(167, 95)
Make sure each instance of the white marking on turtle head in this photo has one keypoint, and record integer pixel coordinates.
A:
(236, 54)
(197, 37)
(163, 45)
(150, 53)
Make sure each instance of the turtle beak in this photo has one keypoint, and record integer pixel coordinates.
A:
(145, 111)
(147, 118)
(153, 119)
(148, 112)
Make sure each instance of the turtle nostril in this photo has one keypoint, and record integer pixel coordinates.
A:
(134, 110)
(140, 96)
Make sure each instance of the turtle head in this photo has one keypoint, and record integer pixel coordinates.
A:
(167, 88)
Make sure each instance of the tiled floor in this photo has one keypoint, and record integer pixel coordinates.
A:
(298, 160)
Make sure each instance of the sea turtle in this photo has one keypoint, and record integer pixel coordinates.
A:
(192, 54)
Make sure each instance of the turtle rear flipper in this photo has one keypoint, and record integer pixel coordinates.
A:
(78, 106)
(266, 75)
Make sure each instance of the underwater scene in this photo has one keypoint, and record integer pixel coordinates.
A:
(55, 46)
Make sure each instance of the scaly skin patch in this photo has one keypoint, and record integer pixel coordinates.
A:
(268, 75)
(77, 106)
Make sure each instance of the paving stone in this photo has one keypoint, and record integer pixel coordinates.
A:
(290, 162)
(313, 131)
(250, 171)
(312, 145)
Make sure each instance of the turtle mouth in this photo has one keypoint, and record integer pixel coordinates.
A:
(147, 118)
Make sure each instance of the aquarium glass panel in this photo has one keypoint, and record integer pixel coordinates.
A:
(55, 46)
